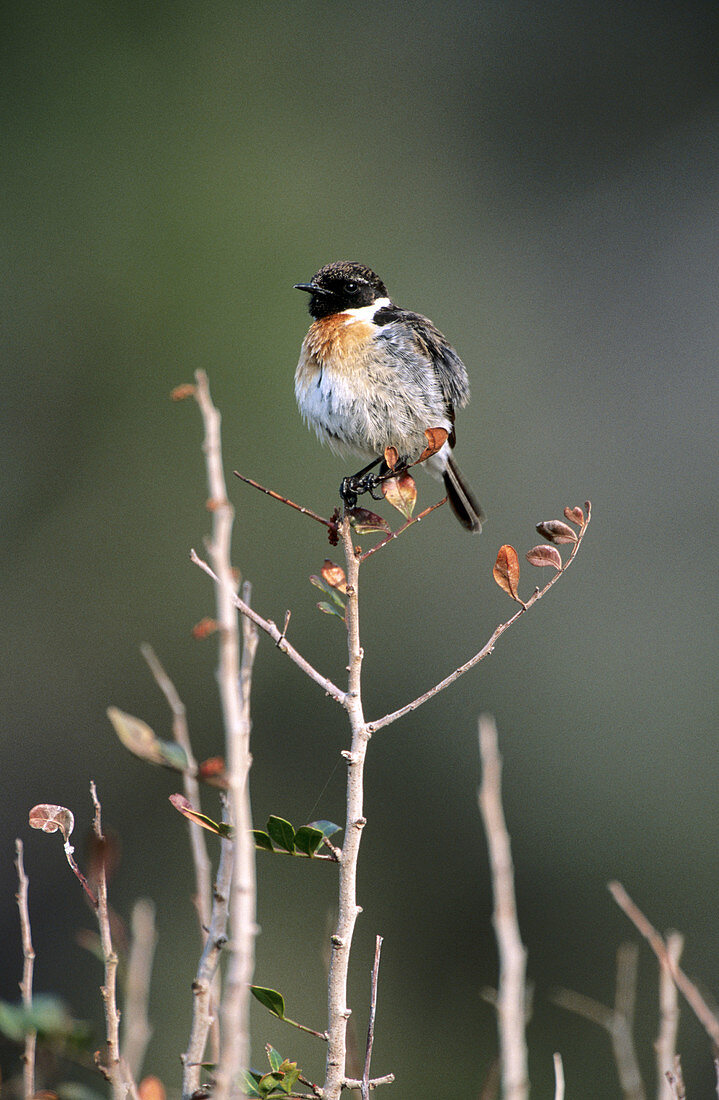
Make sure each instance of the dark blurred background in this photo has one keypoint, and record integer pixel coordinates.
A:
(542, 180)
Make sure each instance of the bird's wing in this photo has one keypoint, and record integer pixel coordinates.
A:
(400, 327)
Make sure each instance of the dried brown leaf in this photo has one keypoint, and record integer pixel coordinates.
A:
(334, 576)
(51, 818)
(180, 393)
(401, 492)
(368, 523)
(151, 1088)
(506, 571)
(436, 438)
(575, 515)
(213, 771)
(556, 531)
(204, 628)
(391, 457)
(545, 555)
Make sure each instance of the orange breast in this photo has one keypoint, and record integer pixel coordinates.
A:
(338, 342)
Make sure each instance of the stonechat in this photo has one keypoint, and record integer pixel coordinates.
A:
(372, 375)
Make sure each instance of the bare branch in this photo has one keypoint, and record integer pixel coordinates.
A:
(668, 1017)
(136, 1028)
(28, 955)
(617, 1021)
(341, 940)
(116, 1070)
(283, 500)
(686, 987)
(511, 995)
(200, 858)
(278, 637)
(202, 1007)
(558, 1077)
(234, 1054)
(401, 530)
(370, 1026)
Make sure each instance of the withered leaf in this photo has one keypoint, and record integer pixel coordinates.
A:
(213, 771)
(180, 393)
(368, 523)
(401, 492)
(185, 807)
(141, 740)
(151, 1088)
(391, 457)
(545, 555)
(506, 570)
(334, 575)
(574, 515)
(556, 531)
(204, 628)
(51, 818)
(436, 438)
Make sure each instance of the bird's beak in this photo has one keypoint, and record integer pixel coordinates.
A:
(311, 288)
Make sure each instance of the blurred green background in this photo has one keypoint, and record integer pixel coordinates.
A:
(542, 180)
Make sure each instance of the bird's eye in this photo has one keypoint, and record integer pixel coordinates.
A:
(351, 287)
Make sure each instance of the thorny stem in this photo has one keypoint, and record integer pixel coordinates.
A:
(341, 941)
(28, 954)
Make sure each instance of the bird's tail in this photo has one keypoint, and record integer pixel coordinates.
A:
(461, 498)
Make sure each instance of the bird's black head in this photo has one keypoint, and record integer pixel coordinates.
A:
(342, 285)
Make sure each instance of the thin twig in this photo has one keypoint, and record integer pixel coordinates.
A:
(234, 697)
(136, 1027)
(370, 1025)
(666, 1043)
(686, 987)
(200, 858)
(198, 844)
(617, 1021)
(283, 500)
(202, 1010)
(486, 649)
(28, 955)
(116, 1070)
(511, 995)
(558, 1077)
(271, 628)
(402, 529)
(348, 909)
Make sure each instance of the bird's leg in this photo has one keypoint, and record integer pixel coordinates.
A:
(356, 484)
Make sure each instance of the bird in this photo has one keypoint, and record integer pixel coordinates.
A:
(372, 375)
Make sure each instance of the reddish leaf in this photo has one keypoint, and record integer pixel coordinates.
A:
(391, 457)
(334, 575)
(151, 1088)
(51, 818)
(204, 628)
(181, 392)
(506, 570)
(368, 523)
(545, 555)
(212, 771)
(101, 853)
(401, 492)
(574, 515)
(436, 438)
(556, 531)
(185, 807)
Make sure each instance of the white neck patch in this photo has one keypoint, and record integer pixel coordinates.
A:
(365, 313)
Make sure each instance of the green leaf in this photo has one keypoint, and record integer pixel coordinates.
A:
(291, 1075)
(367, 523)
(282, 833)
(274, 1057)
(249, 1082)
(327, 828)
(141, 740)
(269, 1082)
(271, 999)
(308, 840)
(262, 840)
(47, 1015)
(328, 609)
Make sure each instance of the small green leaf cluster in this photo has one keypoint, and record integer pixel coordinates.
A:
(280, 1080)
(281, 836)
